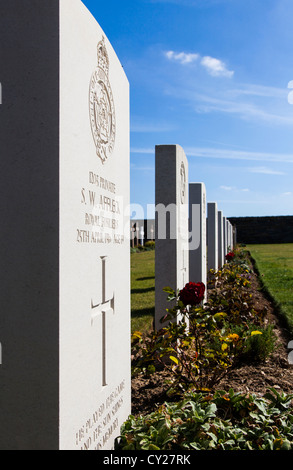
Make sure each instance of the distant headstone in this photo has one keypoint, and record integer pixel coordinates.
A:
(197, 231)
(220, 240)
(232, 236)
(225, 243)
(212, 223)
(133, 230)
(228, 235)
(152, 233)
(171, 226)
(141, 235)
(136, 234)
(65, 308)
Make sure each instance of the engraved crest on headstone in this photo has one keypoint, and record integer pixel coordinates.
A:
(102, 110)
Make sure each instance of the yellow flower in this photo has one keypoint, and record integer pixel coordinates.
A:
(256, 332)
(233, 337)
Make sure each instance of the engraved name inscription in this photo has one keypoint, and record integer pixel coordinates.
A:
(103, 214)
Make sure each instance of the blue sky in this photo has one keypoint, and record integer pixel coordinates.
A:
(214, 77)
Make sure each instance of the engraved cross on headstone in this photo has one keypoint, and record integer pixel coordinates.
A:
(102, 309)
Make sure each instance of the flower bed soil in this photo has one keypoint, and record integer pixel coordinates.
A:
(149, 392)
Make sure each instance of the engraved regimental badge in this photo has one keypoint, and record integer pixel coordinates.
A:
(102, 111)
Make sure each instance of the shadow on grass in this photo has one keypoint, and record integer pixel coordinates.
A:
(145, 278)
(141, 312)
(143, 290)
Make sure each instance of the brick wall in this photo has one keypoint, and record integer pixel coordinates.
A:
(258, 230)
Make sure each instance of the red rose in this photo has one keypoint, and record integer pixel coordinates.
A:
(230, 256)
(192, 293)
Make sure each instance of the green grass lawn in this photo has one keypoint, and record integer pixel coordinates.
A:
(274, 262)
(275, 265)
(142, 290)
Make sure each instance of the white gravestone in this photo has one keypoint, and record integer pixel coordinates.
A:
(65, 321)
(197, 231)
(225, 237)
(141, 235)
(171, 226)
(212, 237)
(228, 236)
(231, 240)
(232, 236)
(220, 240)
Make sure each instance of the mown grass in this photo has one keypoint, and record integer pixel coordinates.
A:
(142, 290)
(275, 266)
(273, 262)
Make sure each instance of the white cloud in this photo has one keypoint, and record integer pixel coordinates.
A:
(149, 128)
(213, 66)
(142, 168)
(250, 89)
(143, 150)
(233, 188)
(226, 154)
(265, 171)
(238, 155)
(192, 3)
(226, 188)
(206, 152)
(246, 110)
(287, 193)
(143, 125)
(216, 67)
(266, 104)
(182, 57)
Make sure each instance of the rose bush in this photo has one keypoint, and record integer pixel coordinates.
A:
(230, 256)
(192, 293)
(198, 343)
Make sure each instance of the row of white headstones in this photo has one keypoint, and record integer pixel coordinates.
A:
(192, 236)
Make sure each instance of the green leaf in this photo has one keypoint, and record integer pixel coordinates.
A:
(286, 445)
(174, 359)
(153, 447)
(169, 290)
(220, 315)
